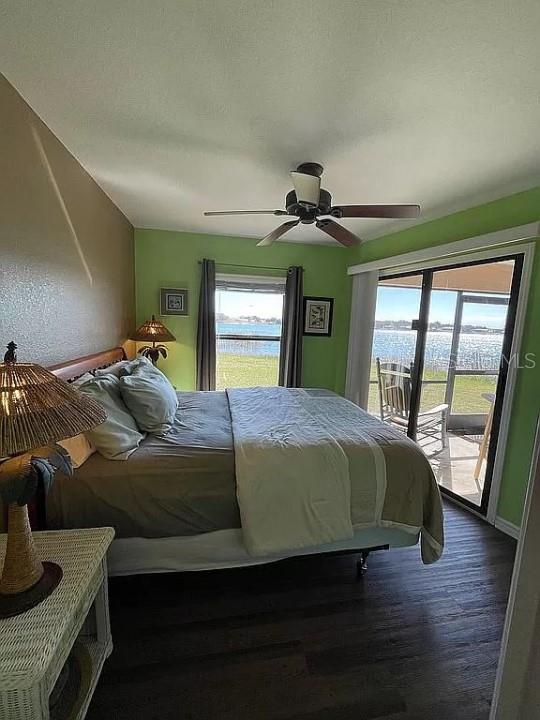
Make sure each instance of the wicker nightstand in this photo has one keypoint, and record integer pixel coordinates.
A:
(34, 646)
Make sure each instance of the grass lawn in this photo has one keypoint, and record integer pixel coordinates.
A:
(246, 370)
(249, 370)
(467, 398)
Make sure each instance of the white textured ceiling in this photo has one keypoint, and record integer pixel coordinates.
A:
(180, 106)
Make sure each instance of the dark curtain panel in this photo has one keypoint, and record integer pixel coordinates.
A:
(206, 329)
(290, 359)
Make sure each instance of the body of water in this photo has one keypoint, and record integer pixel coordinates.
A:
(248, 347)
(477, 351)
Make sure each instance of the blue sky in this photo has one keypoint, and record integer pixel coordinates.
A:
(236, 304)
(403, 304)
(392, 304)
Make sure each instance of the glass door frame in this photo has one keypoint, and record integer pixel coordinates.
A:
(464, 298)
(505, 361)
(414, 326)
(421, 327)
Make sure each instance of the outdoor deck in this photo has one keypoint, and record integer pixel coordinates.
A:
(454, 467)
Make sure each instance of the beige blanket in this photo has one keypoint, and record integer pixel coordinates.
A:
(310, 469)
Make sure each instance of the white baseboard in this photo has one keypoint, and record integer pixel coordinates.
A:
(507, 527)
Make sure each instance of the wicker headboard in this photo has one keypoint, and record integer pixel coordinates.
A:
(75, 368)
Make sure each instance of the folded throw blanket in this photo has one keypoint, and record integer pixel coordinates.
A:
(311, 467)
(292, 477)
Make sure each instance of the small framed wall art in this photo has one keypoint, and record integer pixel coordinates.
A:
(318, 313)
(173, 302)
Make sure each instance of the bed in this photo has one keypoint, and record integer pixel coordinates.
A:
(210, 494)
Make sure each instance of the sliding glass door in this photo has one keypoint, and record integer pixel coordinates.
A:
(458, 333)
(394, 346)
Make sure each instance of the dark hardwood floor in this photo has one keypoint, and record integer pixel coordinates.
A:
(302, 640)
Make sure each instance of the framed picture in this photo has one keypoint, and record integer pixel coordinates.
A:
(173, 302)
(318, 313)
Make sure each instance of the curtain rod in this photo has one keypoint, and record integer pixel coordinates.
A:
(257, 267)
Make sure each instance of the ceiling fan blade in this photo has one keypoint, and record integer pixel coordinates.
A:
(375, 211)
(277, 233)
(338, 232)
(245, 212)
(307, 188)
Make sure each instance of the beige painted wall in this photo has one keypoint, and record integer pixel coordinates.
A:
(66, 251)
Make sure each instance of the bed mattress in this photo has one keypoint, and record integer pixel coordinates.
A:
(184, 484)
(179, 485)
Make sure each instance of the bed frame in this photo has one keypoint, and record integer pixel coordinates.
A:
(73, 369)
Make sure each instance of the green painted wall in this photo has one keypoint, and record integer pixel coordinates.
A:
(516, 209)
(170, 259)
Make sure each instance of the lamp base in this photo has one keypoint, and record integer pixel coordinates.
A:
(153, 352)
(17, 603)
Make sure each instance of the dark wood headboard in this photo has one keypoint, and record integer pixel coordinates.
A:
(75, 368)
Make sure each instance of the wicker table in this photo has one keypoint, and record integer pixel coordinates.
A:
(34, 646)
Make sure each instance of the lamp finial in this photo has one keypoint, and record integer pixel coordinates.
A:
(11, 355)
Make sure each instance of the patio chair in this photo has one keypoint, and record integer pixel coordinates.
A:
(484, 442)
(395, 384)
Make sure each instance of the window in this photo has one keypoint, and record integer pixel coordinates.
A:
(249, 312)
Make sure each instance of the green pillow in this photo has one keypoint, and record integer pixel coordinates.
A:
(119, 435)
(151, 399)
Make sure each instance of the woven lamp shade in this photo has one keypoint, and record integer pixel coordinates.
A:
(36, 409)
(153, 331)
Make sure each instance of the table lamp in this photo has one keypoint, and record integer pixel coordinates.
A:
(36, 410)
(153, 331)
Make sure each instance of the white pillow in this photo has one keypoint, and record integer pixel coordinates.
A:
(118, 436)
(116, 369)
(79, 449)
(123, 367)
(81, 380)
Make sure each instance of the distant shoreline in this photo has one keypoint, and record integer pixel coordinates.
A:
(437, 328)
(245, 320)
(387, 325)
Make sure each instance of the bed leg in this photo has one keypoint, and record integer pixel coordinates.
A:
(361, 564)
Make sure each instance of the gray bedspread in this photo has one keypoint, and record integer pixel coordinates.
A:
(181, 484)
(185, 483)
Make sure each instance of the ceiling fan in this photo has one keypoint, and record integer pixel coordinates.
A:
(309, 203)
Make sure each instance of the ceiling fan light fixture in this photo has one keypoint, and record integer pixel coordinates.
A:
(307, 188)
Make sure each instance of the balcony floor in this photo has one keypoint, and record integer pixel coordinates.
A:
(454, 467)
